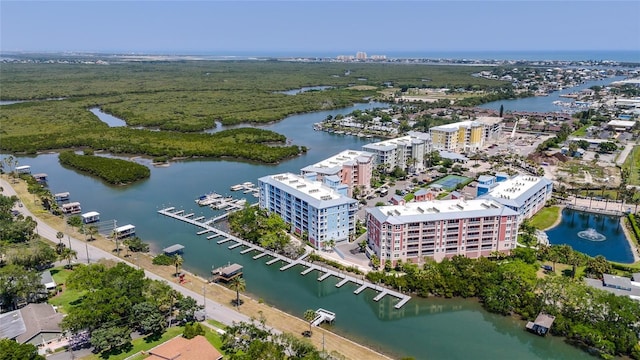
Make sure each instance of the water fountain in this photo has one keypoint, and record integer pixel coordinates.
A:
(592, 235)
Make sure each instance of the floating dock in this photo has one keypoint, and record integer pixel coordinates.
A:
(323, 315)
(326, 273)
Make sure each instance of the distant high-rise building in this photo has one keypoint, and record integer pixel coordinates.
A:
(361, 55)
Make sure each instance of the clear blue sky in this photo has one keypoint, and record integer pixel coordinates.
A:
(308, 27)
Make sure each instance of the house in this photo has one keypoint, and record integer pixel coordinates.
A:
(180, 348)
(424, 195)
(33, 324)
(397, 200)
(541, 325)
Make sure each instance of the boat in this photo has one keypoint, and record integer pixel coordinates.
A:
(208, 199)
(236, 187)
(241, 202)
(248, 184)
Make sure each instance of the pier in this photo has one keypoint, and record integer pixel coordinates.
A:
(323, 315)
(326, 273)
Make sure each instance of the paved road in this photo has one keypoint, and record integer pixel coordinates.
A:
(86, 251)
(624, 153)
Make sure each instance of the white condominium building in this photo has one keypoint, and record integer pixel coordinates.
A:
(440, 229)
(406, 152)
(525, 194)
(311, 207)
(352, 167)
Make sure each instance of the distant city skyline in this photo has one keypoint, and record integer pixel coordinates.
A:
(312, 27)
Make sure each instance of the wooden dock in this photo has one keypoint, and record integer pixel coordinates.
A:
(249, 249)
(326, 273)
(259, 256)
(307, 270)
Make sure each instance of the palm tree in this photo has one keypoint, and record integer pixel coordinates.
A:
(309, 315)
(59, 236)
(68, 255)
(177, 261)
(331, 243)
(238, 284)
(91, 231)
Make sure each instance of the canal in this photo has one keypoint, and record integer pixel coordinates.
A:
(545, 103)
(423, 328)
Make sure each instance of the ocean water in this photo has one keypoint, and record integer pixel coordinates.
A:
(559, 55)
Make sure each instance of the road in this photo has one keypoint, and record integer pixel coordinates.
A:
(88, 253)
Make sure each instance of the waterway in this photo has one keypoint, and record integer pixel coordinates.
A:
(110, 120)
(545, 103)
(304, 89)
(614, 246)
(423, 328)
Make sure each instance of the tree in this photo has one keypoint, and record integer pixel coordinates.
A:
(309, 316)
(12, 350)
(177, 262)
(501, 110)
(598, 266)
(238, 284)
(607, 147)
(192, 330)
(148, 318)
(92, 231)
(68, 255)
(110, 338)
(59, 236)
(375, 261)
(187, 307)
(17, 283)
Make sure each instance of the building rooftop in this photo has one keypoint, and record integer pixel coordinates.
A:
(515, 191)
(29, 321)
(489, 120)
(335, 163)
(634, 293)
(313, 192)
(47, 280)
(439, 210)
(457, 125)
(621, 123)
(180, 348)
(389, 144)
(90, 214)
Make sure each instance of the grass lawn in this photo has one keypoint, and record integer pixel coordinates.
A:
(546, 217)
(581, 132)
(65, 299)
(632, 164)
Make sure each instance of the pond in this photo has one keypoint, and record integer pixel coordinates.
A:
(592, 234)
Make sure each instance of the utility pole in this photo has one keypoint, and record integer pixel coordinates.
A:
(204, 296)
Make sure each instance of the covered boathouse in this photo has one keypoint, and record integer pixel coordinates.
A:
(227, 273)
(541, 325)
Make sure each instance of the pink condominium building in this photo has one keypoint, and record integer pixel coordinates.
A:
(440, 229)
(351, 167)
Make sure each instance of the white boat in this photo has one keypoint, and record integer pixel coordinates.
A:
(248, 184)
(236, 187)
(208, 199)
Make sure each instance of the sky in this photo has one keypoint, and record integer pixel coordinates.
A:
(317, 27)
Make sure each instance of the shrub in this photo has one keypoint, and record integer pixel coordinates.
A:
(163, 259)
